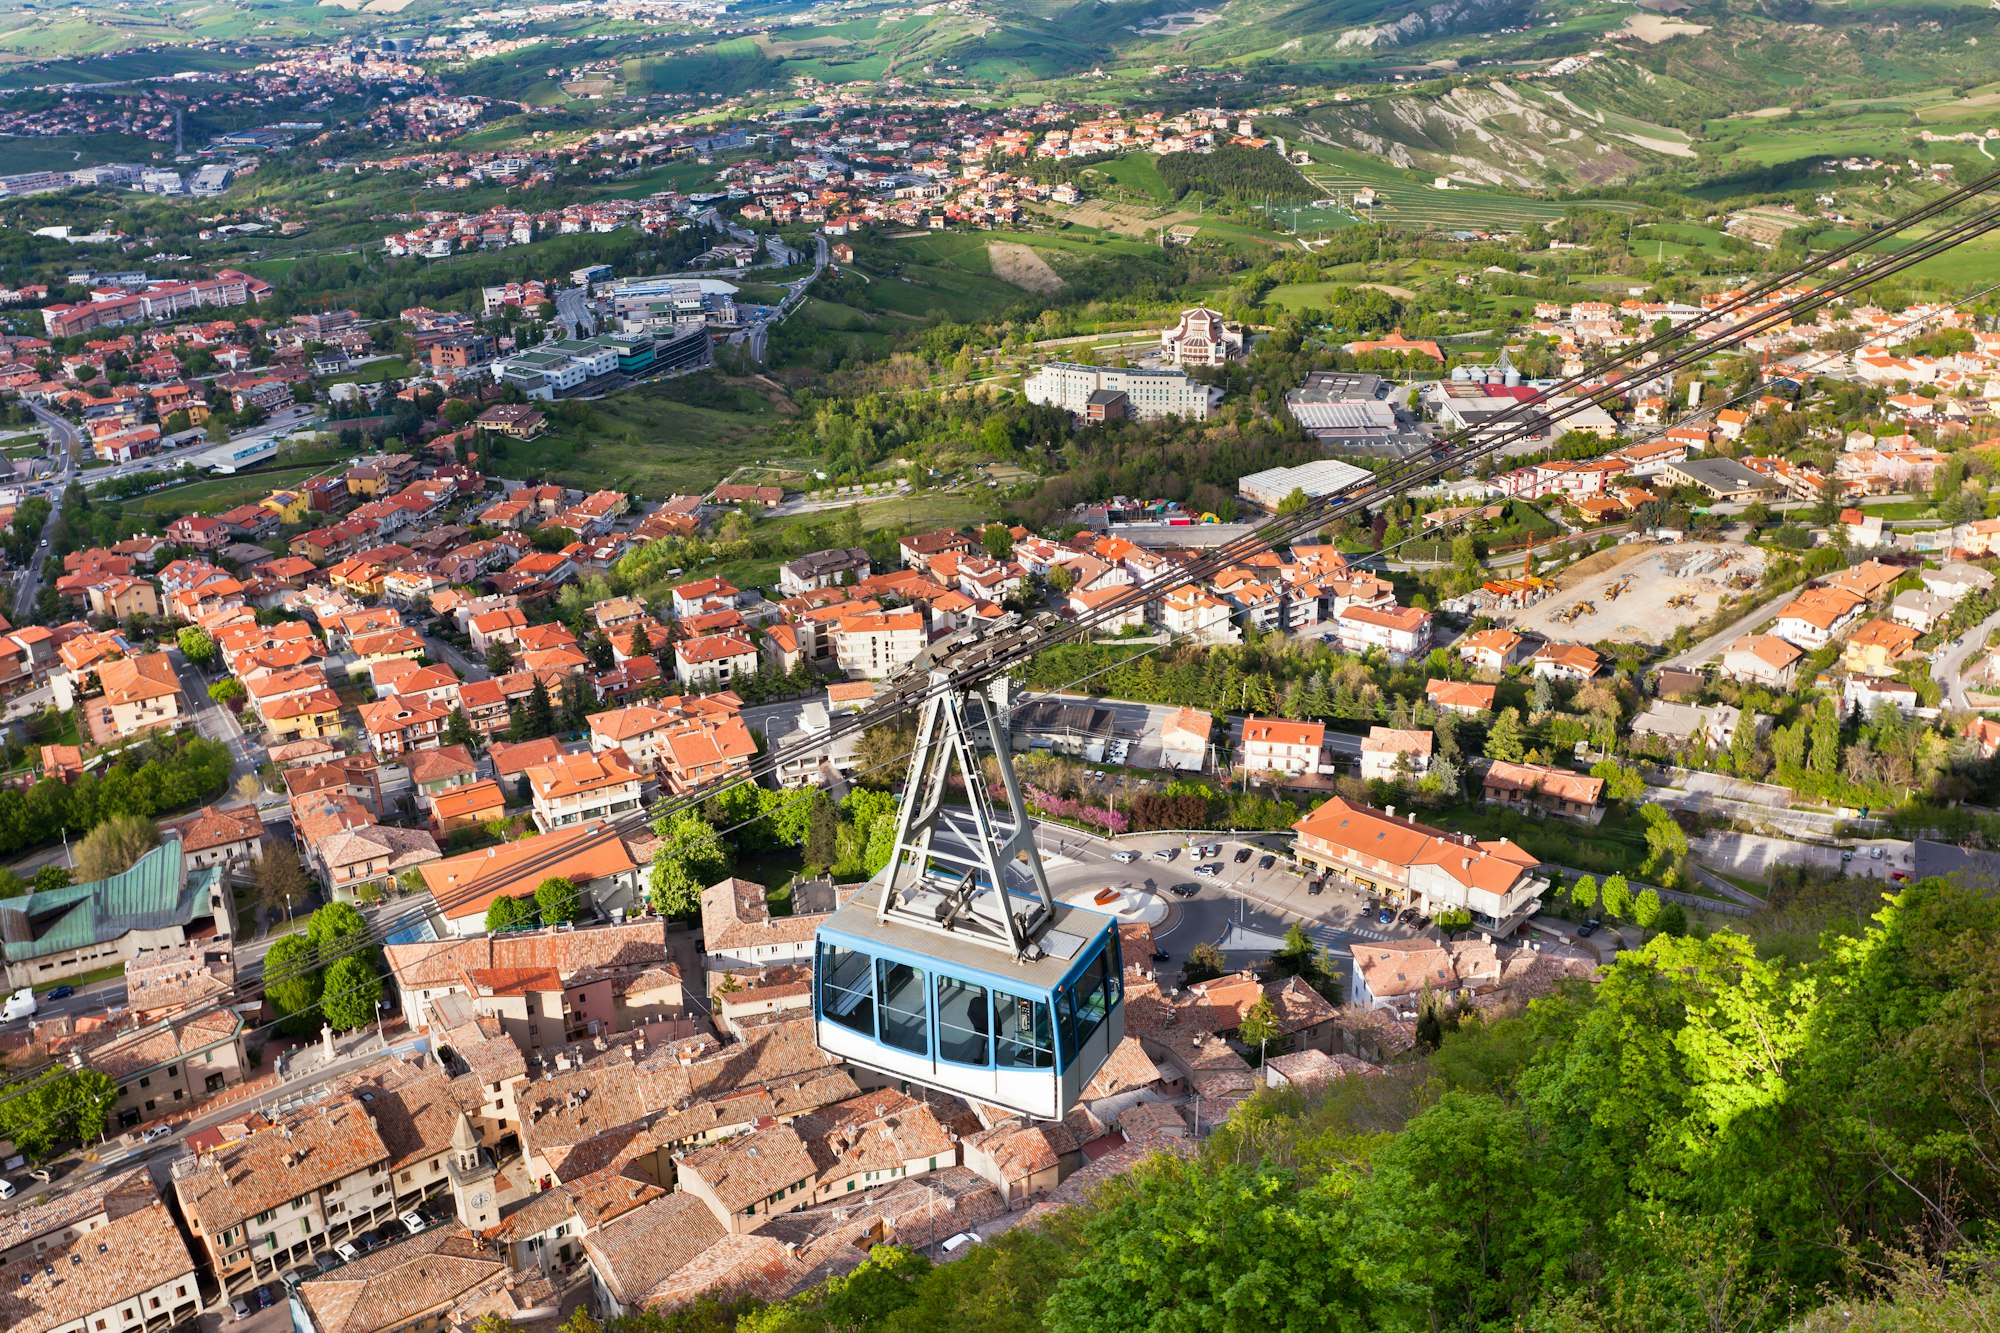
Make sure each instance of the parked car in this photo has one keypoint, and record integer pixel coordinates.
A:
(1266, 861)
(1125, 858)
(263, 1295)
(6, 1189)
(1875, 852)
(1242, 855)
(1588, 928)
(1316, 888)
(240, 1308)
(347, 1250)
(1385, 917)
(412, 1222)
(62, 992)
(156, 1133)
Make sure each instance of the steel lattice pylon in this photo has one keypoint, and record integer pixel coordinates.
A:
(964, 893)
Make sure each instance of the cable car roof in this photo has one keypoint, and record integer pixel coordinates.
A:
(1065, 945)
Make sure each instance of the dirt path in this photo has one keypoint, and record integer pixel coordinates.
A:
(1019, 265)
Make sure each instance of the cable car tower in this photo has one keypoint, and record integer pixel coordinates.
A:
(961, 972)
(958, 887)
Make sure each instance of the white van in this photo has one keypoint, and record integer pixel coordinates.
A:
(6, 1189)
(21, 1004)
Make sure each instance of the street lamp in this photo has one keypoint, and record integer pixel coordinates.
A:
(381, 1008)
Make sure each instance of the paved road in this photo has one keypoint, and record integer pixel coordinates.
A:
(1949, 672)
(218, 723)
(69, 440)
(448, 653)
(573, 310)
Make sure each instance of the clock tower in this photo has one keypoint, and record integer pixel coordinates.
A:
(472, 1175)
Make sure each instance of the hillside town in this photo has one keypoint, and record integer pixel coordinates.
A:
(458, 681)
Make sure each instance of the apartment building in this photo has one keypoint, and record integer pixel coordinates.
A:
(1272, 745)
(714, 660)
(1400, 631)
(1497, 882)
(875, 644)
(1142, 394)
(105, 1257)
(140, 694)
(593, 785)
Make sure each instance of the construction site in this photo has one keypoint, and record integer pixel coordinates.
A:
(1640, 593)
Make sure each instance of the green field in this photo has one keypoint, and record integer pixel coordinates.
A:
(647, 443)
(218, 493)
(1406, 199)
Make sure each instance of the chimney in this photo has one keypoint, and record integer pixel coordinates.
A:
(1389, 810)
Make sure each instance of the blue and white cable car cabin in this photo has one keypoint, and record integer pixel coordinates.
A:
(962, 973)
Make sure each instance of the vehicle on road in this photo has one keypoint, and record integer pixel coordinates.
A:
(1162, 956)
(7, 1190)
(21, 1004)
(1588, 928)
(1125, 858)
(156, 1133)
(61, 992)
(1166, 853)
(43, 1174)
(1206, 870)
(1184, 889)
(1899, 877)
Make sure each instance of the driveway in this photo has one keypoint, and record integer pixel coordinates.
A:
(1949, 671)
(1753, 856)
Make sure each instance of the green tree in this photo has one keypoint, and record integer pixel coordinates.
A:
(1666, 841)
(1293, 502)
(1646, 908)
(57, 1107)
(1224, 1248)
(222, 691)
(352, 988)
(292, 984)
(505, 913)
(114, 845)
(556, 899)
(458, 730)
(1260, 1027)
(691, 856)
(1584, 892)
(1205, 963)
(337, 928)
(499, 657)
(50, 878)
(1617, 896)
(1503, 738)
(997, 540)
(196, 645)
(1826, 738)
(1621, 781)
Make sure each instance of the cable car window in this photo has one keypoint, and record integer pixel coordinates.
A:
(906, 1022)
(962, 1022)
(845, 995)
(1091, 1000)
(1022, 1038)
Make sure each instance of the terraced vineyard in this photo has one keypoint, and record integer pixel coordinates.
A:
(1403, 199)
